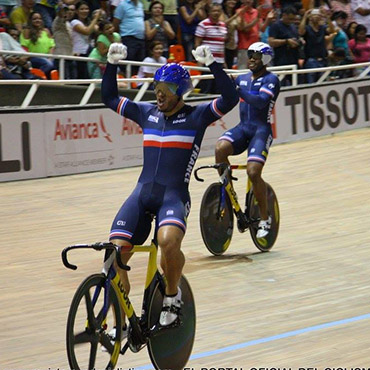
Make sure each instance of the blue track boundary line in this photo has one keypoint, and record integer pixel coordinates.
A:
(271, 338)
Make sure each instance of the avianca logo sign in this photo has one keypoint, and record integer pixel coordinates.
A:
(78, 131)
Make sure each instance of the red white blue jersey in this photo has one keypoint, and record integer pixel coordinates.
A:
(258, 97)
(171, 144)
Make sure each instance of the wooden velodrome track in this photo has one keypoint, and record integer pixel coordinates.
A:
(304, 304)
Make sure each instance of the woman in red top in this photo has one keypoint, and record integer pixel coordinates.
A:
(248, 31)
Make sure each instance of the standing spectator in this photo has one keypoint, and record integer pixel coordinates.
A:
(360, 45)
(157, 28)
(340, 40)
(62, 32)
(315, 43)
(81, 30)
(20, 15)
(190, 13)
(284, 39)
(344, 6)
(230, 18)
(248, 31)
(350, 30)
(47, 10)
(37, 39)
(212, 32)
(361, 12)
(265, 27)
(297, 4)
(128, 20)
(104, 40)
(171, 15)
(266, 6)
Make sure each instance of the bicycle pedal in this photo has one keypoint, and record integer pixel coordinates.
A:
(160, 328)
(241, 227)
(125, 348)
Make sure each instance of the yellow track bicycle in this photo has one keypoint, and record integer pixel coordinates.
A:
(96, 309)
(220, 203)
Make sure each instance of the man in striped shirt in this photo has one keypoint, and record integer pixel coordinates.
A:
(212, 32)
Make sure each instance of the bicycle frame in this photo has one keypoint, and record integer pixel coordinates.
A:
(227, 186)
(108, 298)
(138, 325)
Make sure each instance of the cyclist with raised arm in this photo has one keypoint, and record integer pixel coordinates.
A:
(258, 91)
(172, 135)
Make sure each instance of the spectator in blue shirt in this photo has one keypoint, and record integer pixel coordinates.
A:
(283, 37)
(128, 20)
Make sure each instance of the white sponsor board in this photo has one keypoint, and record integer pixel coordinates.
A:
(313, 111)
(73, 141)
(90, 140)
(22, 153)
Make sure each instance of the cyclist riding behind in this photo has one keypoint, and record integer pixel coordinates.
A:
(172, 135)
(258, 91)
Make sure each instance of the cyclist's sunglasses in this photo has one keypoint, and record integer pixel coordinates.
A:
(165, 88)
(254, 54)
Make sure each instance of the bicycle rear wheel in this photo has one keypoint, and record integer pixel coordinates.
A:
(216, 225)
(87, 326)
(171, 348)
(264, 244)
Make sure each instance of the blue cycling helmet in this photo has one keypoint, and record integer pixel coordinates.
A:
(176, 74)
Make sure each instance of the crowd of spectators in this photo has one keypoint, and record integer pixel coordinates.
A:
(307, 33)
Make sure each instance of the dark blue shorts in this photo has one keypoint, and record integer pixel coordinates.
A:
(256, 139)
(133, 220)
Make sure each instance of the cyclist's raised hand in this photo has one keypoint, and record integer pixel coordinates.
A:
(116, 53)
(202, 54)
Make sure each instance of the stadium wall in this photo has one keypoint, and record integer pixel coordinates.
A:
(44, 142)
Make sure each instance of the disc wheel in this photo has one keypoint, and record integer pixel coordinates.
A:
(264, 244)
(88, 327)
(171, 348)
(216, 225)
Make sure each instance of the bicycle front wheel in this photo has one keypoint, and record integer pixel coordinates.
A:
(171, 348)
(216, 219)
(88, 343)
(266, 243)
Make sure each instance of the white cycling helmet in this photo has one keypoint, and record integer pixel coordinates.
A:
(264, 49)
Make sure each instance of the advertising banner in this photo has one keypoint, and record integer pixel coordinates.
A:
(316, 111)
(22, 153)
(50, 143)
(90, 140)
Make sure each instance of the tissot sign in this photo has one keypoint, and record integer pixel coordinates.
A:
(309, 112)
(40, 144)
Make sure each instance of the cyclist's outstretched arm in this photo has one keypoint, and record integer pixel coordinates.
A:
(109, 90)
(229, 96)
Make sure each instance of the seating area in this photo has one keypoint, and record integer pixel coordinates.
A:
(54, 74)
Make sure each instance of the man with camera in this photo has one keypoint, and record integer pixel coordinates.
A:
(284, 38)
